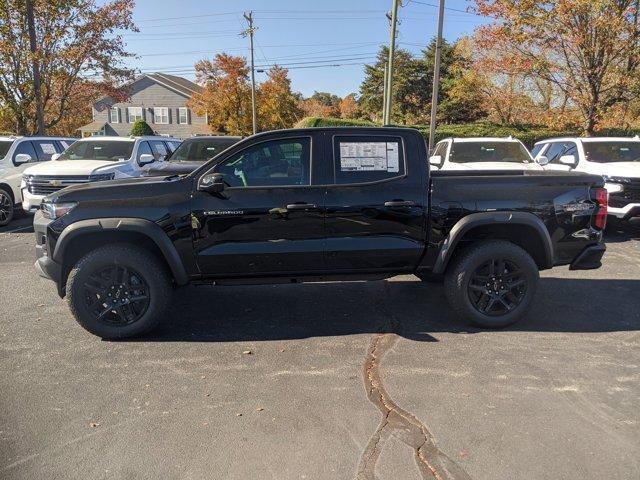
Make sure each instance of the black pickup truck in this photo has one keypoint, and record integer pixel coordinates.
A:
(316, 205)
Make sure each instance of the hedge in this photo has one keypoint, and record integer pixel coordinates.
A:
(528, 134)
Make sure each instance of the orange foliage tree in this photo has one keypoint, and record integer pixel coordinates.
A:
(75, 39)
(277, 105)
(588, 49)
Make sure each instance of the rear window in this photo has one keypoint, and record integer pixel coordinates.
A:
(5, 145)
(368, 159)
(466, 152)
(606, 152)
(201, 150)
(99, 150)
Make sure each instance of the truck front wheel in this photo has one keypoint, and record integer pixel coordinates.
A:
(492, 283)
(118, 291)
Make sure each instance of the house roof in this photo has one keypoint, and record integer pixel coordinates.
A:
(92, 127)
(180, 85)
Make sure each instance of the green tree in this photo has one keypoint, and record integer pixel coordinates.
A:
(411, 88)
(141, 128)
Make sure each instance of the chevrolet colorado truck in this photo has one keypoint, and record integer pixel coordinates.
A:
(320, 204)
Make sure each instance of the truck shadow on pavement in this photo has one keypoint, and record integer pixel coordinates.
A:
(286, 312)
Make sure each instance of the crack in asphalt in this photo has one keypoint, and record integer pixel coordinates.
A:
(431, 462)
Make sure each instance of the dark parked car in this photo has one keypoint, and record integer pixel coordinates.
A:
(191, 154)
(315, 205)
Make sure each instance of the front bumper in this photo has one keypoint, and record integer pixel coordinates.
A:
(630, 210)
(31, 202)
(45, 265)
(590, 258)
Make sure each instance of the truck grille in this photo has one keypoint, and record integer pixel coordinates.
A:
(46, 185)
(630, 194)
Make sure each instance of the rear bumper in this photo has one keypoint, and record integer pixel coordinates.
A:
(590, 258)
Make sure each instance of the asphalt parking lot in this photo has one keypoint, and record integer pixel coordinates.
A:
(342, 380)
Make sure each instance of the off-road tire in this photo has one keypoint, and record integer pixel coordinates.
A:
(144, 264)
(461, 271)
(7, 207)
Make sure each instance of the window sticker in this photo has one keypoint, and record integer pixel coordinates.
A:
(48, 148)
(369, 156)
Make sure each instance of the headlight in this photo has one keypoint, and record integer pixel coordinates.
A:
(613, 187)
(56, 210)
(615, 184)
(101, 177)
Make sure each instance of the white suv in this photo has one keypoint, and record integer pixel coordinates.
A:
(617, 159)
(16, 154)
(481, 153)
(93, 159)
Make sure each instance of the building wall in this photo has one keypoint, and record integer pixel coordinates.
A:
(148, 94)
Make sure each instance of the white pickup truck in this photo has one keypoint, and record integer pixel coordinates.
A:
(617, 159)
(17, 154)
(482, 153)
(93, 159)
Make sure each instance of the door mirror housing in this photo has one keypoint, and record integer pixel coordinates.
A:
(212, 183)
(542, 160)
(568, 160)
(56, 156)
(22, 158)
(435, 160)
(146, 158)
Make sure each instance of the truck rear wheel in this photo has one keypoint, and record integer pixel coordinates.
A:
(492, 283)
(118, 291)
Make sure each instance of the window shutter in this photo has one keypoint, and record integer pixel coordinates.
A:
(189, 116)
(169, 115)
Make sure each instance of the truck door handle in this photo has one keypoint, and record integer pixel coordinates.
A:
(400, 203)
(302, 206)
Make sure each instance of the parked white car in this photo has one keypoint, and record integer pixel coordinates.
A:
(617, 159)
(16, 155)
(482, 153)
(93, 159)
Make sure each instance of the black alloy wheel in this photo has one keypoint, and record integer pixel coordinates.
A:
(116, 295)
(497, 287)
(6, 208)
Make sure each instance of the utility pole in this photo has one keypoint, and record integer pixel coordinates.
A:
(249, 32)
(36, 67)
(392, 48)
(436, 78)
(384, 90)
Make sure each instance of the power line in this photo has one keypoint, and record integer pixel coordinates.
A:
(451, 9)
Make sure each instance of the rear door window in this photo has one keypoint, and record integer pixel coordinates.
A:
(537, 149)
(160, 151)
(45, 149)
(367, 159)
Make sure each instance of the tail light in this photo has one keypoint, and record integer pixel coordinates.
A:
(600, 195)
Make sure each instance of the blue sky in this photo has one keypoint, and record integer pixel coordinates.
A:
(308, 37)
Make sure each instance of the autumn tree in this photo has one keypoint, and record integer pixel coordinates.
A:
(277, 105)
(226, 95)
(588, 49)
(349, 107)
(74, 39)
(321, 104)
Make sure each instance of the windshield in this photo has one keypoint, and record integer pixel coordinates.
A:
(5, 145)
(99, 150)
(605, 152)
(514, 152)
(201, 150)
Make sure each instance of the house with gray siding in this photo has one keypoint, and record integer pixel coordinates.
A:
(159, 99)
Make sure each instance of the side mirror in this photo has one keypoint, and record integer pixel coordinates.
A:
(23, 158)
(212, 183)
(146, 158)
(56, 156)
(542, 160)
(435, 160)
(568, 160)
